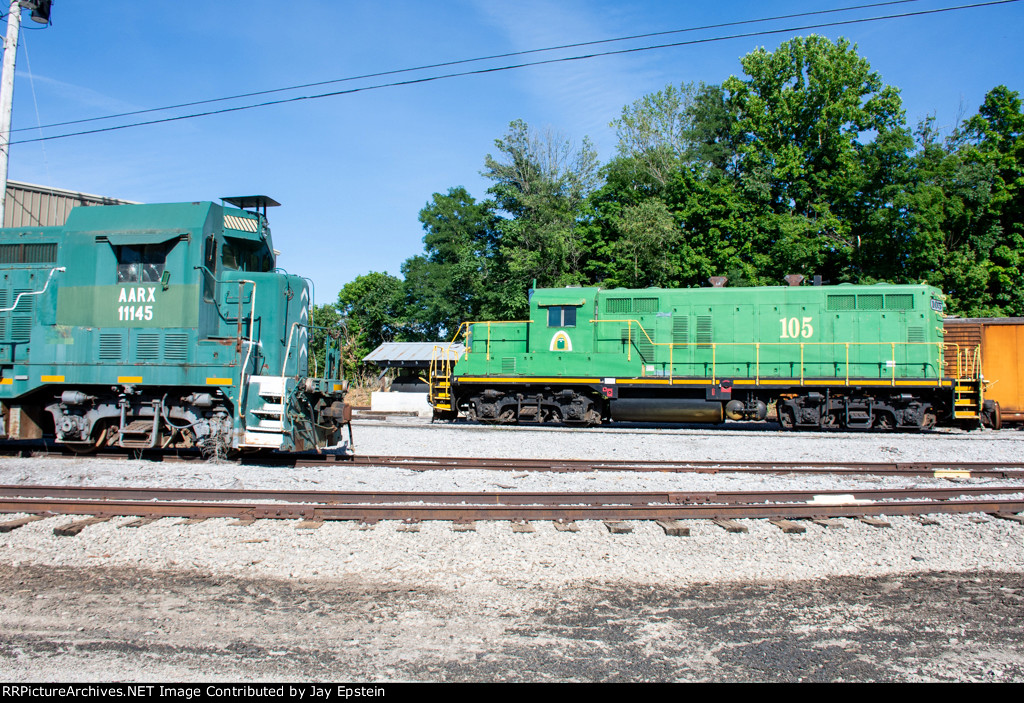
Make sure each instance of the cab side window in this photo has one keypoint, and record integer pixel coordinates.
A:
(210, 261)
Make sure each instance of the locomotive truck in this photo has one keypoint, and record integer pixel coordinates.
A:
(157, 326)
(844, 356)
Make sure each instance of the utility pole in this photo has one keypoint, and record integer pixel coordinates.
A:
(40, 13)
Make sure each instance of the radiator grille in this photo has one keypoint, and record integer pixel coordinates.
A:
(842, 302)
(869, 302)
(900, 301)
(641, 305)
(618, 305)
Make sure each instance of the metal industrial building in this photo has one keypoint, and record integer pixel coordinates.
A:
(29, 205)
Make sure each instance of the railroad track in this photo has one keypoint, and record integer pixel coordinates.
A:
(938, 469)
(319, 506)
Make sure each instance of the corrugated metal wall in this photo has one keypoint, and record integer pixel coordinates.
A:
(29, 205)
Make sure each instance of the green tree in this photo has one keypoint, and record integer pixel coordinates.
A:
(804, 121)
(372, 308)
(996, 135)
(675, 128)
(541, 181)
(449, 283)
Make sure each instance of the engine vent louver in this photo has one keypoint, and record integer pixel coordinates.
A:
(21, 328)
(704, 331)
(26, 304)
(111, 346)
(639, 342)
(176, 347)
(40, 253)
(148, 346)
(681, 329)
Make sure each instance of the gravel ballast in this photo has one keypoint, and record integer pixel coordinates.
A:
(514, 572)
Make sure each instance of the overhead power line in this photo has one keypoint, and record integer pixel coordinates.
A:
(497, 69)
(459, 62)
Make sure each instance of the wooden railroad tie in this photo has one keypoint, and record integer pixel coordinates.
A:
(565, 526)
(523, 527)
(829, 522)
(139, 522)
(874, 521)
(309, 525)
(730, 525)
(19, 522)
(618, 527)
(788, 526)
(73, 528)
(464, 526)
(1009, 516)
(674, 528)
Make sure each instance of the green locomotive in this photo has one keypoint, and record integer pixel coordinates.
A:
(843, 356)
(160, 326)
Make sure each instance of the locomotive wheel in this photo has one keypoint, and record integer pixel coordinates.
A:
(786, 417)
(92, 445)
(884, 422)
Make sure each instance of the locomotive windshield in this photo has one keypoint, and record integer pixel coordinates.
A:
(240, 255)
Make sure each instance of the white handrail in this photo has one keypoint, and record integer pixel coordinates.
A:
(17, 300)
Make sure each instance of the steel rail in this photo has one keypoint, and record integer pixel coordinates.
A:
(942, 469)
(121, 493)
(374, 512)
(504, 506)
(710, 466)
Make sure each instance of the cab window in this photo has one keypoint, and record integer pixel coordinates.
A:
(141, 263)
(237, 256)
(562, 316)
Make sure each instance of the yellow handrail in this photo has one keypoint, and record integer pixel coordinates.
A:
(964, 363)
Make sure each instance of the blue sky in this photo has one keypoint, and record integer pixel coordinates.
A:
(353, 171)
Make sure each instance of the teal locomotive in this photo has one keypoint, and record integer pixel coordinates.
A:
(845, 356)
(161, 326)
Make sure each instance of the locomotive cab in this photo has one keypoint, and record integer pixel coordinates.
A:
(166, 326)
